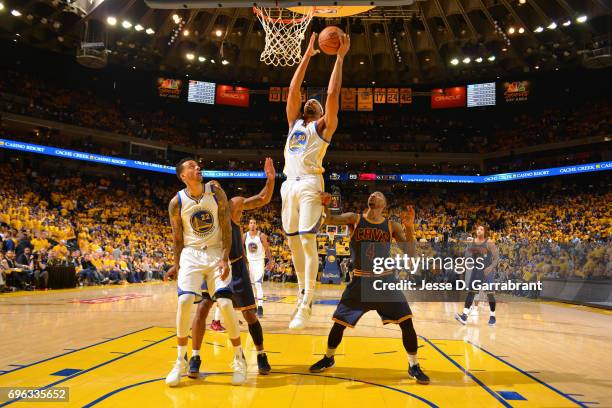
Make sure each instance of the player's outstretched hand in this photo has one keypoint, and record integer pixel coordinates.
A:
(310, 51)
(223, 269)
(407, 215)
(172, 273)
(269, 169)
(325, 199)
(345, 45)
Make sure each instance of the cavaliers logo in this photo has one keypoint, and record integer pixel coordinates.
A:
(297, 142)
(202, 222)
(252, 247)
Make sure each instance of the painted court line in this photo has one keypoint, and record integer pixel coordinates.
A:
(529, 375)
(91, 369)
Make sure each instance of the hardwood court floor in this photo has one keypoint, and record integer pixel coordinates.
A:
(113, 347)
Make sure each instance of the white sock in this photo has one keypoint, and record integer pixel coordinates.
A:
(297, 255)
(238, 352)
(261, 352)
(311, 266)
(259, 293)
(217, 314)
(195, 353)
(413, 360)
(492, 313)
(466, 311)
(330, 352)
(182, 350)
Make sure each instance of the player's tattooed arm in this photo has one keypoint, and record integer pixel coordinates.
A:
(266, 247)
(294, 97)
(265, 195)
(341, 219)
(404, 234)
(223, 209)
(495, 257)
(177, 233)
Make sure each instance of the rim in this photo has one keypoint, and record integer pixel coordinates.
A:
(263, 16)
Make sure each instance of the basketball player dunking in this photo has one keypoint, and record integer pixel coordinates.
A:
(371, 235)
(481, 247)
(310, 133)
(258, 249)
(202, 234)
(241, 282)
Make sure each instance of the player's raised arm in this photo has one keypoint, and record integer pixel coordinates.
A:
(329, 122)
(226, 227)
(177, 232)
(404, 233)
(265, 195)
(294, 97)
(341, 219)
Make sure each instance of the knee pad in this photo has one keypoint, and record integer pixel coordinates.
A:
(229, 317)
(183, 314)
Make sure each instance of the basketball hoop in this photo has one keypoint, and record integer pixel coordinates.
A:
(284, 34)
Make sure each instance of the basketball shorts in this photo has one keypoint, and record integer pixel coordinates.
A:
(359, 298)
(198, 266)
(256, 270)
(479, 275)
(302, 210)
(242, 291)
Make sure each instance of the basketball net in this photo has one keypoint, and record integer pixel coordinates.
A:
(284, 34)
(331, 236)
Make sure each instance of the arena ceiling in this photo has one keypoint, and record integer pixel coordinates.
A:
(426, 41)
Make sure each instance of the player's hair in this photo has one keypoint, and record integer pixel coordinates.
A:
(253, 219)
(486, 230)
(179, 166)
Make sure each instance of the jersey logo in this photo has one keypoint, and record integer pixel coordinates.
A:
(252, 247)
(202, 222)
(297, 142)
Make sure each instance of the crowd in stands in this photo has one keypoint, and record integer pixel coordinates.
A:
(115, 230)
(264, 126)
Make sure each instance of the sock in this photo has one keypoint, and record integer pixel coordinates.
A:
(259, 293)
(259, 352)
(195, 353)
(311, 266)
(238, 352)
(256, 333)
(217, 314)
(182, 350)
(330, 352)
(492, 313)
(297, 255)
(413, 360)
(466, 311)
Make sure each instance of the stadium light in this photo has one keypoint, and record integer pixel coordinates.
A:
(176, 18)
(111, 21)
(1, 6)
(521, 30)
(126, 24)
(454, 61)
(201, 59)
(213, 61)
(491, 58)
(538, 29)
(567, 23)
(552, 26)
(225, 62)
(467, 60)
(190, 56)
(479, 59)
(581, 19)
(16, 13)
(537, 67)
(138, 27)
(186, 33)
(511, 30)
(150, 31)
(218, 33)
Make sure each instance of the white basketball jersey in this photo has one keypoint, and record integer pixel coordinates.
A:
(304, 150)
(254, 247)
(200, 219)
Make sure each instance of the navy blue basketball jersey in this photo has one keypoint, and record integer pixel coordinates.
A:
(481, 250)
(368, 241)
(236, 250)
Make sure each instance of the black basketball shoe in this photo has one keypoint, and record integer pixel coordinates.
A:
(194, 367)
(259, 312)
(416, 372)
(262, 364)
(322, 365)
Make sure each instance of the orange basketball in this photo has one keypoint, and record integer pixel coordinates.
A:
(329, 40)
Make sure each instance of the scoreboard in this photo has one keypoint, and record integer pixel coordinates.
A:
(201, 92)
(481, 94)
